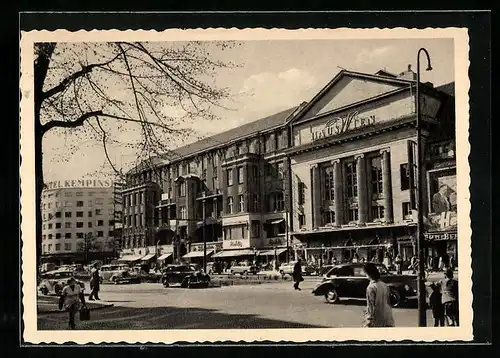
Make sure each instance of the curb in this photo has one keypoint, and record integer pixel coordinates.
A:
(109, 305)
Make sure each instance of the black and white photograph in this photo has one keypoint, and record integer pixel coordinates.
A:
(203, 185)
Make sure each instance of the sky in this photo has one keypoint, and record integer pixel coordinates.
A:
(271, 76)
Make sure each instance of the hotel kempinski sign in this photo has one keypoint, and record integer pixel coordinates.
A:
(339, 125)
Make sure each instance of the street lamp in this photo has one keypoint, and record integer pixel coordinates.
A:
(422, 306)
(204, 238)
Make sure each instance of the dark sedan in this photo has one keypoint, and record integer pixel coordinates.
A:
(188, 276)
(350, 281)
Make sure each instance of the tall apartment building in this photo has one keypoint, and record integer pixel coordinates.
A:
(77, 224)
(333, 177)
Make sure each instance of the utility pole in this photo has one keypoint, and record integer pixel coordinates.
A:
(422, 304)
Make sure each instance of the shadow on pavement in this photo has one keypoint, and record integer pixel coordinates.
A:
(122, 318)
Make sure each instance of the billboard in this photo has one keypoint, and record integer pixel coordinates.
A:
(442, 201)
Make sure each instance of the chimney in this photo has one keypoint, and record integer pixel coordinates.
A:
(408, 74)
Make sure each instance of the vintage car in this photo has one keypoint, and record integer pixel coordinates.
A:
(287, 269)
(244, 268)
(118, 273)
(187, 275)
(350, 281)
(54, 281)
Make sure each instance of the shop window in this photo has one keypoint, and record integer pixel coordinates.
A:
(328, 185)
(229, 177)
(376, 176)
(230, 205)
(353, 215)
(352, 180)
(377, 212)
(405, 176)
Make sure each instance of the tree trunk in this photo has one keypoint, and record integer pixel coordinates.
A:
(39, 187)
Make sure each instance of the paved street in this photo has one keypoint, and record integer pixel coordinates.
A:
(271, 305)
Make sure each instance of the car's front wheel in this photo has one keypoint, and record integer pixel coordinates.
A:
(332, 296)
(44, 290)
(184, 283)
(395, 298)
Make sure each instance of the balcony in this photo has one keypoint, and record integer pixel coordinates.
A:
(206, 194)
(165, 201)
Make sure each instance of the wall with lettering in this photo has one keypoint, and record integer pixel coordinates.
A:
(365, 116)
(236, 244)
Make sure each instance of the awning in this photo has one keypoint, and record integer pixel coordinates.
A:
(277, 221)
(234, 253)
(197, 254)
(130, 258)
(148, 257)
(164, 257)
(272, 252)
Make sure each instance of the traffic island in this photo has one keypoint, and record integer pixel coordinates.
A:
(50, 304)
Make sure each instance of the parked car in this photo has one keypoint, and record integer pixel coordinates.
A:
(54, 281)
(117, 273)
(287, 269)
(244, 268)
(350, 281)
(188, 275)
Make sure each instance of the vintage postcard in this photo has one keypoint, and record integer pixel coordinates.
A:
(218, 185)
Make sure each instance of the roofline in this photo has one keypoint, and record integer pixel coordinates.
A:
(343, 73)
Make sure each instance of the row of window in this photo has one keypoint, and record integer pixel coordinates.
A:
(79, 203)
(377, 213)
(79, 235)
(69, 194)
(67, 247)
(78, 224)
(134, 199)
(79, 214)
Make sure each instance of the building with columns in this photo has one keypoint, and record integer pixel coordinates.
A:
(332, 177)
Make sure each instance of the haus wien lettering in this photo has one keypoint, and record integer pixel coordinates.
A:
(339, 125)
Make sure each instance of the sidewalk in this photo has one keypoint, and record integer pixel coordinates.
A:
(50, 304)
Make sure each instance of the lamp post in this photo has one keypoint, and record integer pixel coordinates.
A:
(422, 306)
(204, 238)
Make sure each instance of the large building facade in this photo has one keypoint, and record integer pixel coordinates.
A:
(78, 224)
(333, 177)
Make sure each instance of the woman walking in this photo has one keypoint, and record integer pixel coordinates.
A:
(72, 300)
(378, 309)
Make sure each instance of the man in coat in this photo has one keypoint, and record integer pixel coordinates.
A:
(297, 275)
(95, 282)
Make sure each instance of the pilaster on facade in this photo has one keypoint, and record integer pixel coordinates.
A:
(338, 192)
(387, 185)
(316, 195)
(362, 189)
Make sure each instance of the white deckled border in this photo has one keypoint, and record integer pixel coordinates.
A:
(462, 84)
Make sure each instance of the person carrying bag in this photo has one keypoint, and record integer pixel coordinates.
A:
(73, 300)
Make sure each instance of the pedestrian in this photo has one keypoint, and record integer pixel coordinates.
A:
(452, 262)
(441, 263)
(378, 308)
(436, 304)
(95, 283)
(449, 290)
(297, 275)
(72, 300)
(399, 264)
(429, 263)
(413, 263)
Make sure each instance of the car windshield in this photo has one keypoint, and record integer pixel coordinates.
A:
(382, 269)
